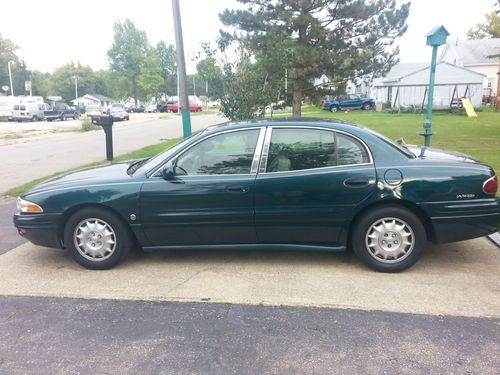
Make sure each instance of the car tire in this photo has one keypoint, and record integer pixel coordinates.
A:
(366, 107)
(112, 238)
(34, 118)
(334, 108)
(63, 118)
(389, 239)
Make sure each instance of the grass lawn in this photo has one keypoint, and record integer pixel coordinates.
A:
(479, 137)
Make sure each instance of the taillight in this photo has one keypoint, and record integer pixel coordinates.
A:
(490, 186)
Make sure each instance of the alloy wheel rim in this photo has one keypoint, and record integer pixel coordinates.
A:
(390, 240)
(95, 239)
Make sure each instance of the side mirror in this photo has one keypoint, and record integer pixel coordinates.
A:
(168, 171)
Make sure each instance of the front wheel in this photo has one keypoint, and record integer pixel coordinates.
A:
(366, 107)
(334, 108)
(96, 238)
(389, 239)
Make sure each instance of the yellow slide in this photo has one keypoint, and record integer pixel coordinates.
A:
(468, 107)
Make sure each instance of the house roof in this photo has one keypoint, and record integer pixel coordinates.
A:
(415, 74)
(100, 97)
(470, 52)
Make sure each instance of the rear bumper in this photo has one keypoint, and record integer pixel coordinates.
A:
(40, 229)
(462, 220)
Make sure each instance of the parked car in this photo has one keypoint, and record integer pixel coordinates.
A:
(288, 184)
(61, 111)
(29, 111)
(348, 101)
(118, 113)
(152, 108)
(174, 107)
(135, 109)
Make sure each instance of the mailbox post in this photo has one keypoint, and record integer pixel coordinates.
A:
(435, 38)
(106, 121)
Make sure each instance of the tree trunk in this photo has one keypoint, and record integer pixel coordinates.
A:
(134, 88)
(297, 100)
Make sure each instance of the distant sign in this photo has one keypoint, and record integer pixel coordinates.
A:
(27, 85)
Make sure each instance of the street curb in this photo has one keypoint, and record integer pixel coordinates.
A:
(495, 238)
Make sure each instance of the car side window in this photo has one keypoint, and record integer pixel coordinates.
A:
(350, 151)
(296, 149)
(228, 153)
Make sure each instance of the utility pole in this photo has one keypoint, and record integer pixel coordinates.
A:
(181, 64)
(10, 78)
(76, 86)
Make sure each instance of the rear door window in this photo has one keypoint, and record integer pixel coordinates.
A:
(298, 149)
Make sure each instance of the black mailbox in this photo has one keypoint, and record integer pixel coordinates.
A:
(106, 122)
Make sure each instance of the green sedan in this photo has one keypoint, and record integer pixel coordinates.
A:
(290, 184)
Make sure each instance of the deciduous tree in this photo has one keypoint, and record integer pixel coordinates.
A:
(128, 53)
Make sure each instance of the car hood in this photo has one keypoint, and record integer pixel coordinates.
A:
(95, 176)
(429, 153)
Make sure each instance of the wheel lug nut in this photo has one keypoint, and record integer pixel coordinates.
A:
(389, 246)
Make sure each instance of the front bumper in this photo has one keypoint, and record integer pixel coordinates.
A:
(40, 229)
(463, 220)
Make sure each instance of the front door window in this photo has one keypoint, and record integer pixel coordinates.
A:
(227, 153)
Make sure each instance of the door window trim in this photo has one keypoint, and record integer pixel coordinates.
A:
(255, 160)
(267, 145)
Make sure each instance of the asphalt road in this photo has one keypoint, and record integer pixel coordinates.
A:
(24, 162)
(68, 336)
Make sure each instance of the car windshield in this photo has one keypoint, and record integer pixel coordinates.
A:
(400, 147)
(157, 160)
(116, 109)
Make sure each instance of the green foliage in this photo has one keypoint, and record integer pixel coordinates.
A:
(212, 76)
(488, 29)
(128, 53)
(88, 126)
(20, 73)
(340, 38)
(62, 81)
(168, 67)
(40, 83)
(248, 90)
(151, 81)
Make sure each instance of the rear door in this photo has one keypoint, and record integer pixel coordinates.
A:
(310, 180)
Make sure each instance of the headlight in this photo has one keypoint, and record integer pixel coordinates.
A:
(26, 207)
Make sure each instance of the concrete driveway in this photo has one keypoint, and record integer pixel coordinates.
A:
(460, 279)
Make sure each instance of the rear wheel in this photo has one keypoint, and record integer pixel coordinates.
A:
(96, 238)
(63, 118)
(334, 108)
(366, 107)
(389, 239)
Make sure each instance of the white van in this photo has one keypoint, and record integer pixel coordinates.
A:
(29, 111)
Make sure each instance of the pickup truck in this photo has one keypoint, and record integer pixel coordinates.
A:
(61, 111)
(349, 101)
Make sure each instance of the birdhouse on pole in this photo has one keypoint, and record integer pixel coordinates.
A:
(437, 36)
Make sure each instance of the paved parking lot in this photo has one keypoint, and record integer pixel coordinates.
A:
(455, 279)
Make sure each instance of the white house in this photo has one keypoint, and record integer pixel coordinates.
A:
(476, 55)
(94, 100)
(406, 85)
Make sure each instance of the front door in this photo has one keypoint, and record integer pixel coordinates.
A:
(211, 199)
(311, 182)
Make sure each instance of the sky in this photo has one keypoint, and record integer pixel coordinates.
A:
(51, 33)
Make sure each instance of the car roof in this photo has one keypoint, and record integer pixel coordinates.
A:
(292, 121)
